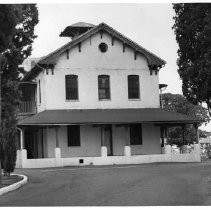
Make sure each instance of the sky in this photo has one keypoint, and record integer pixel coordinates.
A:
(150, 25)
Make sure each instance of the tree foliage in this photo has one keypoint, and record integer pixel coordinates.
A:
(193, 34)
(178, 103)
(8, 20)
(18, 47)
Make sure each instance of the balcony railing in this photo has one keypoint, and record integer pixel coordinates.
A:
(27, 107)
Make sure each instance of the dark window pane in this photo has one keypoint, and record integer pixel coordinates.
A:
(104, 87)
(135, 134)
(73, 135)
(133, 87)
(71, 83)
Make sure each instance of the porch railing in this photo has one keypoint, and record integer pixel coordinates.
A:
(27, 107)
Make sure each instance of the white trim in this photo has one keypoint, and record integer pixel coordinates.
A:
(15, 185)
(110, 160)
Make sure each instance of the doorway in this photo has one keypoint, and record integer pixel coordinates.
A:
(34, 143)
(108, 140)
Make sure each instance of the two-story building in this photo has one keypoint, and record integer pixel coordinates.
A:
(95, 101)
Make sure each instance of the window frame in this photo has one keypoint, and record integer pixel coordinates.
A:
(129, 77)
(70, 129)
(40, 98)
(139, 139)
(108, 89)
(68, 97)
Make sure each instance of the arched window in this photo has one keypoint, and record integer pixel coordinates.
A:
(71, 85)
(103, 87)
(133, 87)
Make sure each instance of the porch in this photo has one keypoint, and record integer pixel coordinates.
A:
(129, 141)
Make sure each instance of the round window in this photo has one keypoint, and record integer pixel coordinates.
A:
(103, 47)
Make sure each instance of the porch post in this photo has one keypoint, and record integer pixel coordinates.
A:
(22, 140)
(167, 147)
(127, 148)
(197, 149)
(57, 149)
(103, 147)
(184, 147)
(162, 139)
(57, 139)
(22, 153)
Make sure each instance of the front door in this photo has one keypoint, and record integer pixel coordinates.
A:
(108, 140)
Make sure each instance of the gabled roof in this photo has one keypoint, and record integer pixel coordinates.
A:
(107, 116)
(153, 60)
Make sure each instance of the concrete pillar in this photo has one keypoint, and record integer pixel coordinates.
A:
(167, 149)
(185, 149)
(197, 152)
(163, 150)
(197, 149)
(58, 159)
(127, 151)
(104, 151)
(23, 158)
(57, 152)
(18, 159)
(127, 148)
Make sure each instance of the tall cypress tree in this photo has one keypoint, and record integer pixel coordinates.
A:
(193, 34)
(19, 47)
(8, 21)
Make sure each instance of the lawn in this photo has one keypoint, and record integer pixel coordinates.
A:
(6, 181)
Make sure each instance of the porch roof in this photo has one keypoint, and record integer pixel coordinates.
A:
(107, 116)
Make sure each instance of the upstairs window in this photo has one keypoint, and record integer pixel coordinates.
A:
(71, 84)
(135, 134)
(133, 87)
(73, 135)
(103, 87)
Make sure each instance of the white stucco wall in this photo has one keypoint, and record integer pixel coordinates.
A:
(91, 142)
(88, 64)
(150, 141)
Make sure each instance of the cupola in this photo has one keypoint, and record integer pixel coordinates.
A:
(76, 29)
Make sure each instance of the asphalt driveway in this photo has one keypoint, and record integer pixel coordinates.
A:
(132, 185)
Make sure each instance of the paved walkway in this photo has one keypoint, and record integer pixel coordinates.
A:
(148, 184)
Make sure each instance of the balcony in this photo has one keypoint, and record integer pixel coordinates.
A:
(27, 107)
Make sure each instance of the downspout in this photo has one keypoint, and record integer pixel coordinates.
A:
(21, 137)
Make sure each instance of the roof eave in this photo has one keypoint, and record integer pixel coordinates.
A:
(153, 60)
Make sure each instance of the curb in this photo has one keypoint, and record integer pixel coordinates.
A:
(15, 185)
